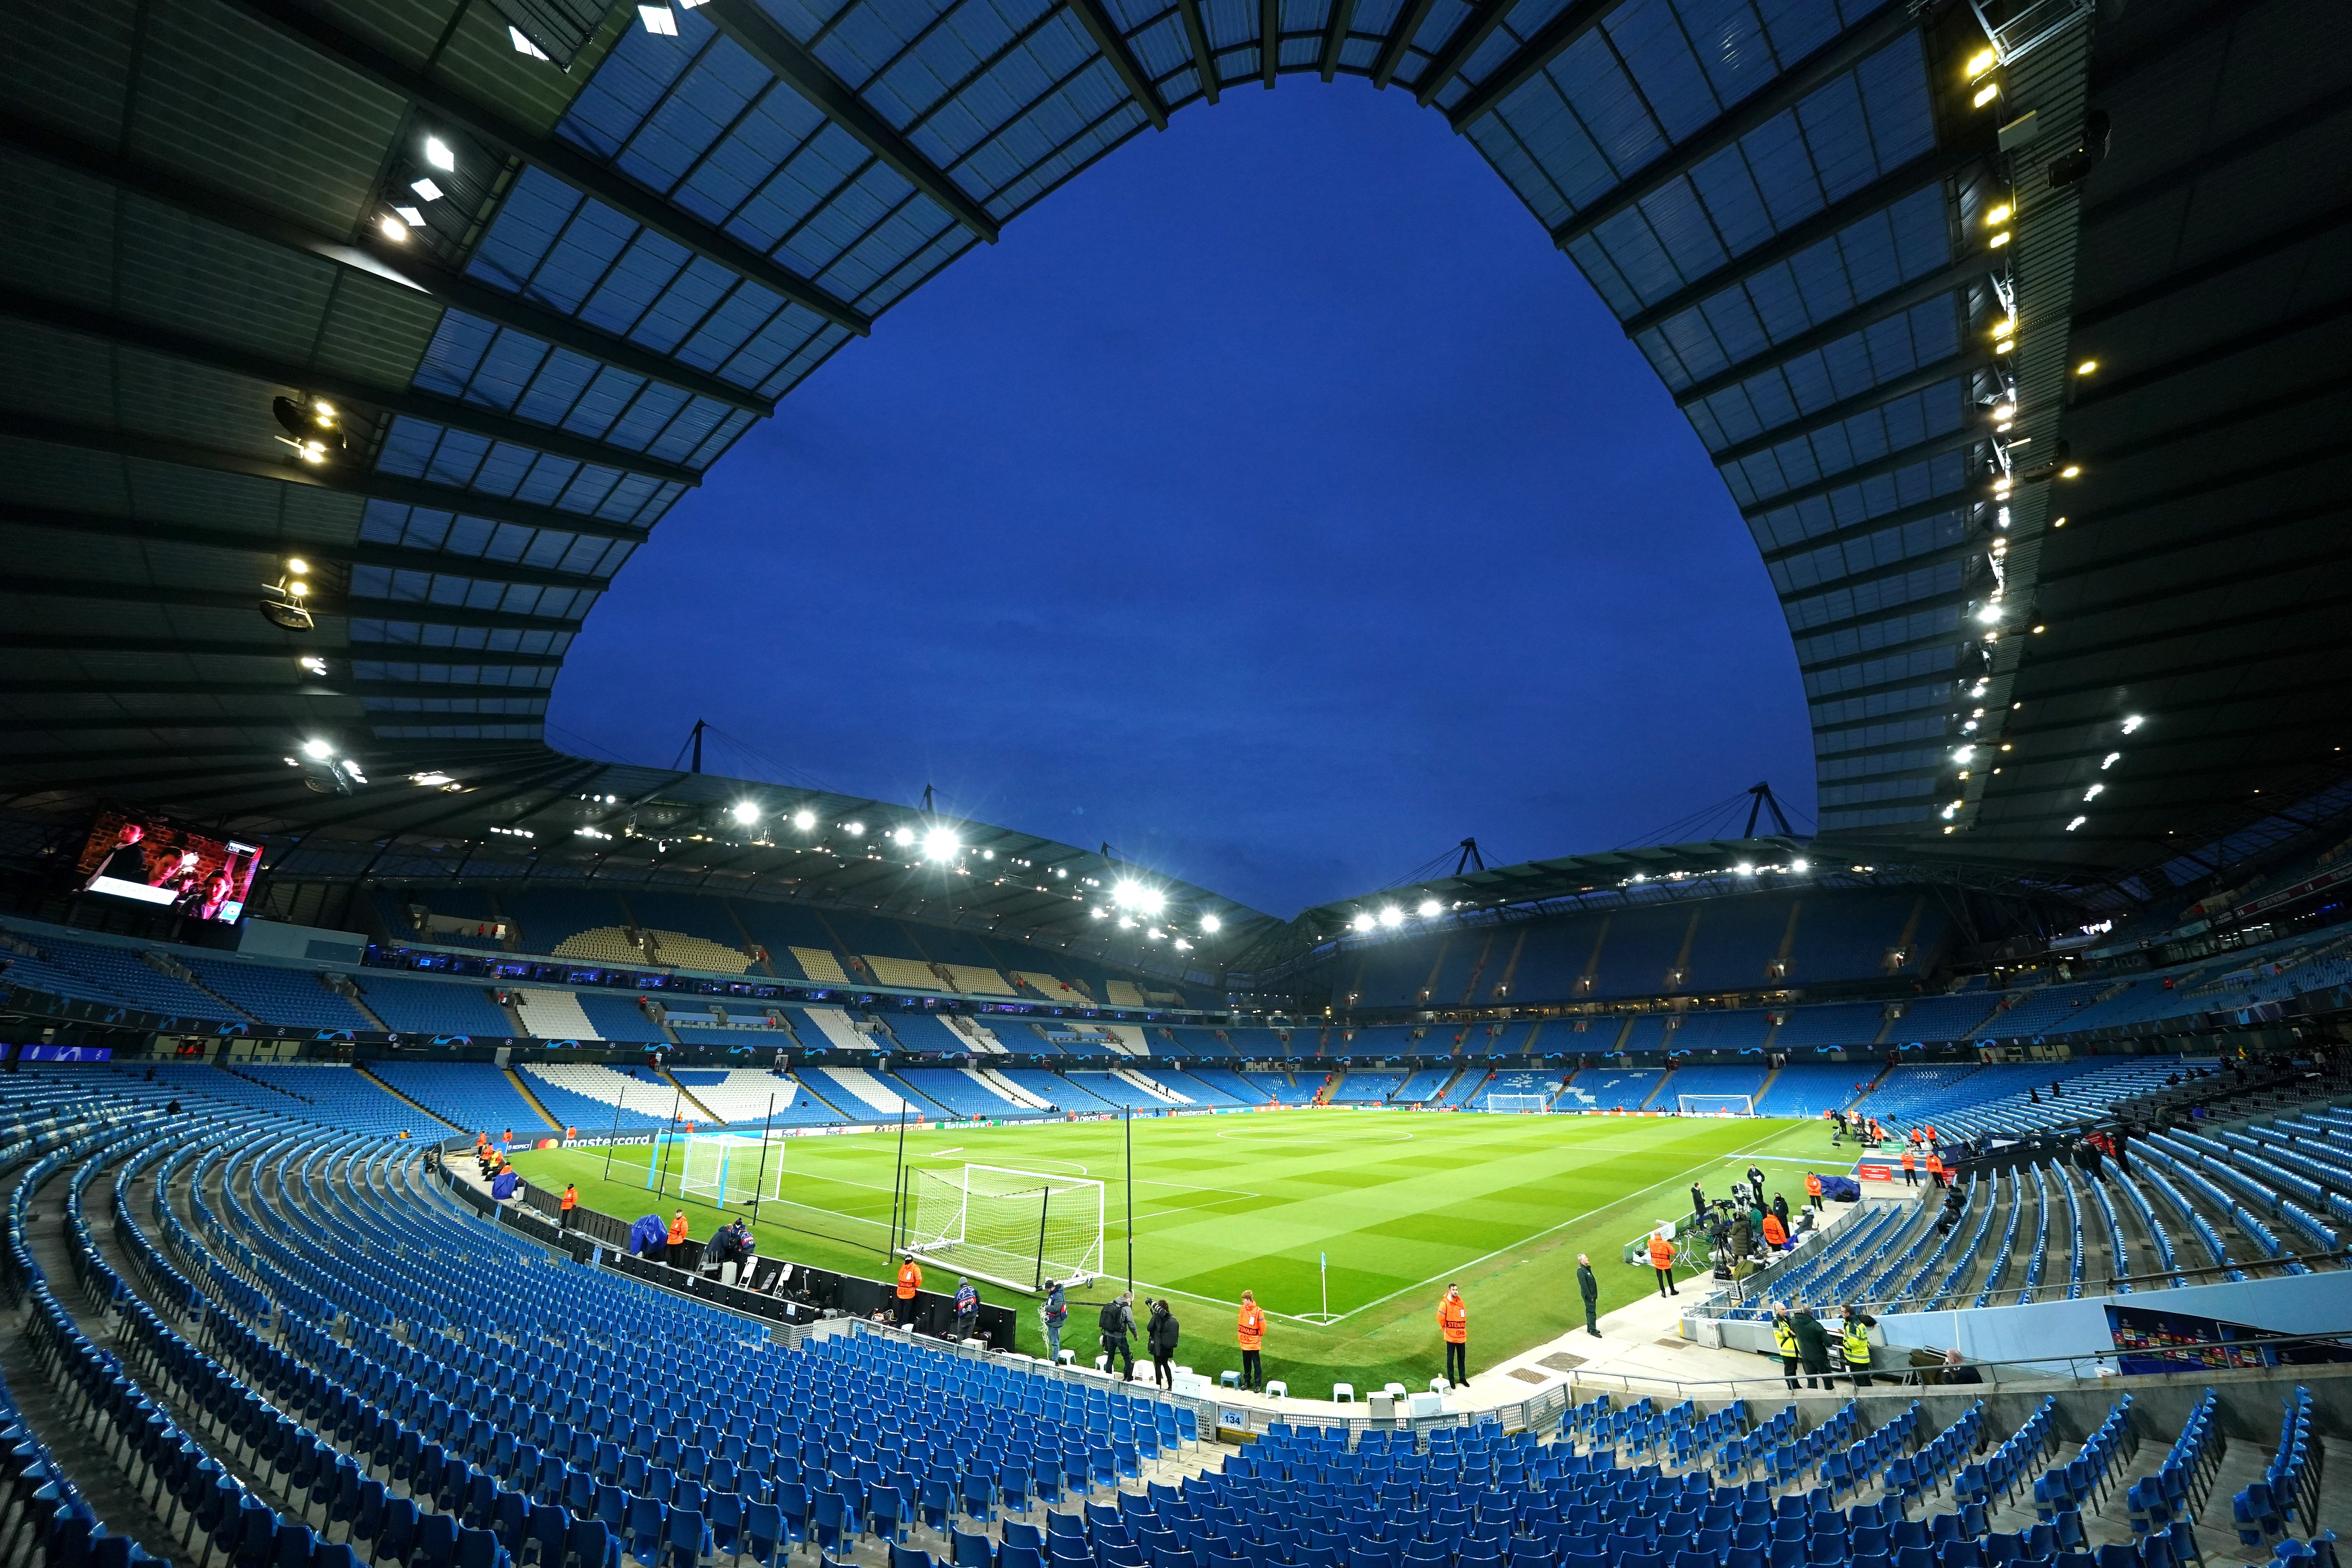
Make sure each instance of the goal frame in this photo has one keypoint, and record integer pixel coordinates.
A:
(947, 1234)
(728, 1173)
(1715, 1104)
(1518, 1104)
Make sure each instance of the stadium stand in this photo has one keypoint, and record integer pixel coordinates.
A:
(1612, 1088)
(1709, 1080)
(754, 1097)
(587, 1096)
(1808, 1089)
(278, 996)
(473, 1097)
(431, 1006)
(341, 1096)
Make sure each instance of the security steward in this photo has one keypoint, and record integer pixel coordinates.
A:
(1910, 1168)
(1856, 1343)
(1453, 1322)
(1814, 1187)
(1776, 1234)
(566, 1203)
(1662, 1258)
(1250, 1332)
(1784, 1341)
(910, 1279)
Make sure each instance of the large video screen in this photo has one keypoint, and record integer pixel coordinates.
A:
(154, 860)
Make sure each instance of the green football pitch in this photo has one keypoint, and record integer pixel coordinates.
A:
(1400, 1205)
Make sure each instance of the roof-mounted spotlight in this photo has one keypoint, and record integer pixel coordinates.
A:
(1362, 922)
(1392, 916)
(313, 428)
(941, 844)
(804, 820)
(745, 812)
(1429, 909)
(1210, 924)
(437, 153)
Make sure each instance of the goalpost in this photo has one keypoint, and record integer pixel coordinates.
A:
(722, 1168)
(1716, 1104)
(1539, 1104)
(1017, 1229)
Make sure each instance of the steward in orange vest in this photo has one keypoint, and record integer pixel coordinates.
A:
(1814, 1187)
(910, 1279)
(1776, 1234)
(1453, 1322)
(1662, 1258)
(1250, 1330)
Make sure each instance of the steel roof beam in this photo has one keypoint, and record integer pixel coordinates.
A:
(1099, 24)
(2240, 531)
(1881, 27)
(1959, 597)
(396, 265)
(1335, 36)
(1968, 436)
(346, 606)
(1930, 168)
(1400, 37)
(1550, 41)
(1468, 37)
(1845, 324)
(753, 31)
(641, 206)
(1204, 61)
(143, 337)
(2294, 326)
(2229, 261)
(360, 552)
(190, 647)
(309, 686)
(1269, 33)
(1968, 362)
(2228, 480)
(336, 477)
(1956, 501)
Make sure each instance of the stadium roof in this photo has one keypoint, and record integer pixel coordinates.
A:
(545, 263)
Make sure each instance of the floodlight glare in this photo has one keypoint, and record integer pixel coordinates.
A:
(393, 229)
(1362, 922)
(1981, 62)
(903, 836)
(2134, 722)
(437, 153)
(2095, 791)
(2076, 823)
(939, 844)
(1099, 911)
(2111, 760)
(1990, 614)
(1799, 865)
(1999, 215)
(318, 749)
(804, 820)
(1430, 907)
(854, 830)
(1964, 753)
(1392, 916)
(1743, 870)
(1210, 924)
(1985, 95)
(316, 666)
(745, 812)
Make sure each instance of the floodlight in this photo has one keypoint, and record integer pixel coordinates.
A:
(804, 820)
(393, 229)
(1964, 754)
(1127, 922)
(1799, 864)
(1390, 915)
(1743, 870)
(1099, 911)
(939, 844)
(2111, 760)
(1430, 907)
(854, 830)
(315, 664)
(2070, 471)
(437, 153)
(1985, 95)
(745, 812)
(1981, 62)
(2004, 411)
(1362, 922)
(318, 749)
(2076, 823)
(1999, 214)
(1999, 239)
(1990, 614)
(2134, 722)
(2094, 793)
(902, 835)
(1210, 924)
(431, 780)
(2088, 367)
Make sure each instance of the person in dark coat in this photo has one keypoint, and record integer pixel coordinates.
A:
(1781, 1209)
(1160, 1337)
(1698, 1203)
(1813, 1346)
(2086, 1155)
(1589, 1288)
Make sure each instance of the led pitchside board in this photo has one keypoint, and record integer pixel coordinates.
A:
(150, 859)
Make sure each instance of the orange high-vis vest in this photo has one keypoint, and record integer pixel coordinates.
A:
(677, 1230)
(1909, 1164)
(1662, 1253)
(1812, 1184)
(1454, 1319)
(910, 1279)
(1935, 1165)
(571, 1199)
(1931, 1133)
(1775, 1233)
(1251, 1327)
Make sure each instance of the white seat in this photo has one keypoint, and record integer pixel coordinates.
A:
(1102, 1364)
(1068, 1358)
(1343, 1393)
(1396, 1391)
(1277, 1389)
(1439, 1386)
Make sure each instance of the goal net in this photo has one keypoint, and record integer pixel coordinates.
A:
(1538, 1103)
(722, 1168)
(1716, 1105)
(1018, 1228)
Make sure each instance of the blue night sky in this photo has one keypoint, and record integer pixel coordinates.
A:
(1273, 503)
